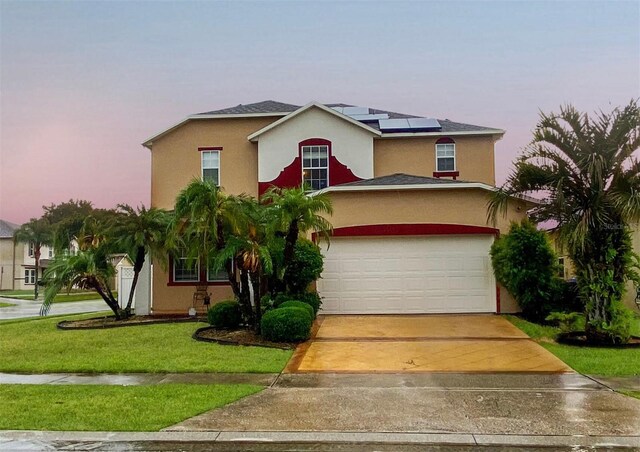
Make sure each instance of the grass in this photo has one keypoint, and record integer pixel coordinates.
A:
(603, 361)
(63, 297)
(37, 346)
(5, 305)
(635, 394)
(110, 408)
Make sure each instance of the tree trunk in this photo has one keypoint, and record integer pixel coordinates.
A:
(108, 298)
(245, 298)
(289, 250)
(137, 268)
(255, 282)
(36, 255)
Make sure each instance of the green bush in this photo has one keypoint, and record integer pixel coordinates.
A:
(286, 325)
(225, 314)
(299, 304)
(305, 267)
(566, 321)
(525, 264)
(618, 330)
(311, 298)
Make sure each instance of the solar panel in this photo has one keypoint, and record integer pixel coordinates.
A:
(366, 118)
(410, 125)
(338, 109)
(424, 123)
(350, 111)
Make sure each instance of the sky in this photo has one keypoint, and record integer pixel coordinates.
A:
(83, 84)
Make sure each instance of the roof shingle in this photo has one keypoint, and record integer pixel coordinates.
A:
(400, 179)
(7, 229)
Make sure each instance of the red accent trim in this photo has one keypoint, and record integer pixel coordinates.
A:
(201, 282)
(216, 148)
(412, 229)
(291, 176)
(445, 140)
(497, 299)
(453, 174)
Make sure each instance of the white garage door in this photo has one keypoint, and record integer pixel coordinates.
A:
(392, 275)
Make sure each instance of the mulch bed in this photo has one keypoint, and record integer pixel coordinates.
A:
(579, 338)
(110, 322)
(242, 336)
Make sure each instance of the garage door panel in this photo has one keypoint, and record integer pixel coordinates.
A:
(436, 274)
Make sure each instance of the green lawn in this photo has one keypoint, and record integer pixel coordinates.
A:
(110, 408)
(63, 297)
(586, 360)
(5, 305)
(37, 346)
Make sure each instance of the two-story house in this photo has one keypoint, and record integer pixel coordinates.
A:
(409, 195)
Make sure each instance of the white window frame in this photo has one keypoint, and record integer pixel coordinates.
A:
(31, 249)
(302, 149)
(173, 270)
(202, 168)
(30, 276)
(455, 160)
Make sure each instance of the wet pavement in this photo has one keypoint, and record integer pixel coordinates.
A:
(136, 379)
(290, 441)
(511, 404)
(31, 308)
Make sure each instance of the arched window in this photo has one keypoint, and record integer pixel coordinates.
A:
(445, 155)
(315, 162)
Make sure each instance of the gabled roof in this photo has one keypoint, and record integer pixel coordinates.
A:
(7, 229)
(401, 179)
(272, 108)
(309, 106)
(266, 106)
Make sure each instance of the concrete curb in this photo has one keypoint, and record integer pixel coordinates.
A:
(11, 437)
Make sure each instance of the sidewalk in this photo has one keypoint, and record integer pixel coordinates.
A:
(201, 441)
(137, 379)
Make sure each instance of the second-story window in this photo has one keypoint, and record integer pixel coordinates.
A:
(315, 166)
(445, 155)
(50, 253)
(31, 249)
(211, 166)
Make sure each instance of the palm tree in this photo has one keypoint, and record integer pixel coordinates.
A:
(88, 269)
(141, 231)
(38, 233)
(295, 211)
(586, 170)
(202, 215)
(247, 244)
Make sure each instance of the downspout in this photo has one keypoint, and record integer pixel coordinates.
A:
(13, 266)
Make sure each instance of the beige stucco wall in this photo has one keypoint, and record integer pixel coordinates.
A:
(417, 156)
(175, 159)
(7, 261)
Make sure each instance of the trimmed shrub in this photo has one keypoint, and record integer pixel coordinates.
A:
(225, 314)
(299, 304)
(525, 264)
(566, 321)
(311, 298)
(305, 267)
(286, 325)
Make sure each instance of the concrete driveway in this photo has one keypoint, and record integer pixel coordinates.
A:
(441, 375)
(421, 343)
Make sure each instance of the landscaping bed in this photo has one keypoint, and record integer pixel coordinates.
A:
(111, 322)
(579, 338)
(244, 336)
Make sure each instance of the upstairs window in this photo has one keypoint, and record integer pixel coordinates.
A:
(445, 155)
(31, 251)
(315, 166)
(210, 165)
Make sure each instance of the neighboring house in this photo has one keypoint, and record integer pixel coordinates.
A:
(17, 261)
(10, 256)
(119, 262)
(409, 195)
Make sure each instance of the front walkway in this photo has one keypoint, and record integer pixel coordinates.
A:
(31, 308)
(421, 343)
